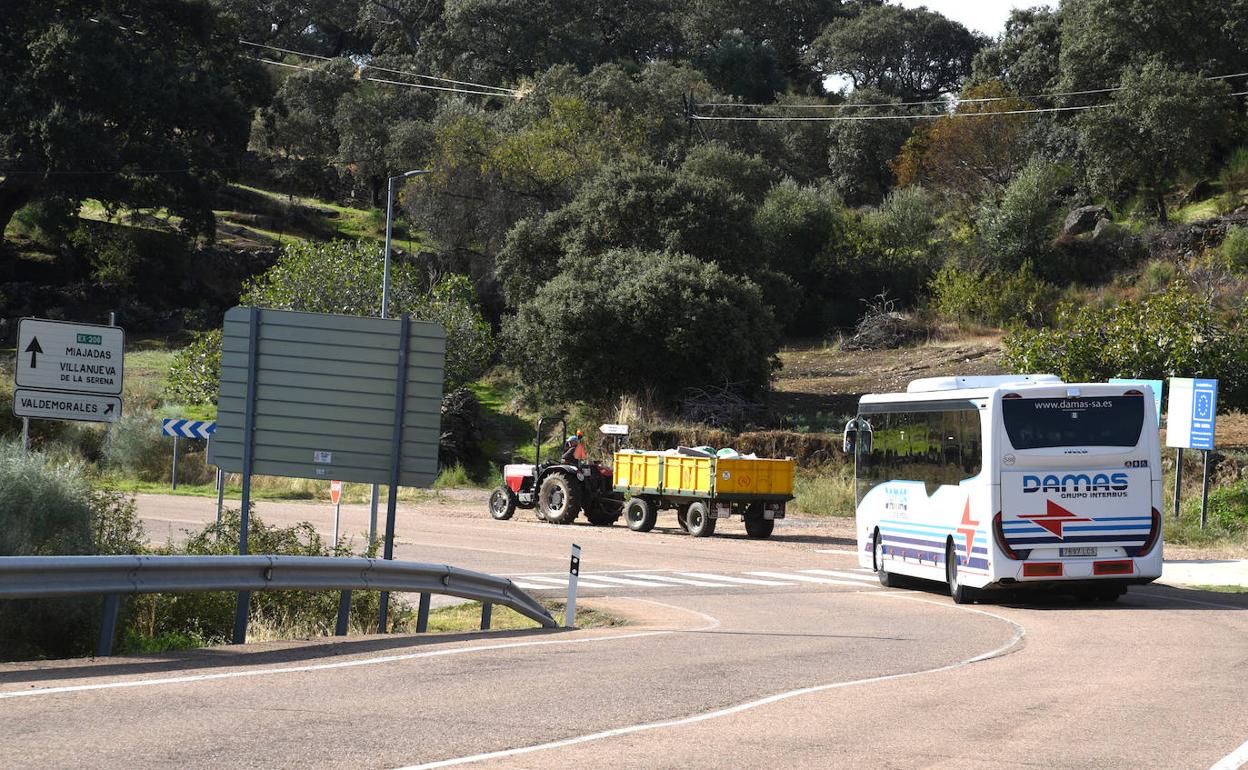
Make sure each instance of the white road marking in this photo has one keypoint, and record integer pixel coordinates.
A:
(530, 586)
(849, 575)
(629, 582)
(806, 578)
(712, 623)
(729, 579)
(1019, 632)
(680, 580)
(584, 582)
(1235, 760)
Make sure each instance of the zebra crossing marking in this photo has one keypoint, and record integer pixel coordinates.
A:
(858, 578)
(738, 580)
(848, 575)
(805, 578)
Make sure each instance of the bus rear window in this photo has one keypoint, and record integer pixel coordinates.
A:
(1037, 423)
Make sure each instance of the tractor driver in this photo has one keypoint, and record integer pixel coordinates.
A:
(573, 449)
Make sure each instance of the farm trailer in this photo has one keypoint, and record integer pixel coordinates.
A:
(702, 490)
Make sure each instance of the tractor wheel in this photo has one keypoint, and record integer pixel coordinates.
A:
(502, 503)
(701, 524)
(559, 499)
(640, 514)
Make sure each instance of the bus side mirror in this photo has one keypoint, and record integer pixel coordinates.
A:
(851, 437)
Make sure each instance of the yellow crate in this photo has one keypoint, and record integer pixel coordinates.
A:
(638, 471)
(747, 477)
(687, 475)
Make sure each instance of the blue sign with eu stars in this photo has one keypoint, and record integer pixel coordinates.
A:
(1204, 413)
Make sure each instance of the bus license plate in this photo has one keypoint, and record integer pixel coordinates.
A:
(1078, 552)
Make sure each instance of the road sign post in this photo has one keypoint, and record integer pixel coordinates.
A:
(314, 395)
(1191, 422)
(200, 429)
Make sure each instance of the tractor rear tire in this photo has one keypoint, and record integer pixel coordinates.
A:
(701, 524)
(640, 514)
(502, 503)
(559, 499)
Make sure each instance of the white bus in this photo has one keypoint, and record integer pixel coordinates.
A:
(1009, 482)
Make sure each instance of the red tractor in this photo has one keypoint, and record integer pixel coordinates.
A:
(561, 488)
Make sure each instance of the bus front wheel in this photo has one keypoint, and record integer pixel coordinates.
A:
(887, 579)
(959, 593)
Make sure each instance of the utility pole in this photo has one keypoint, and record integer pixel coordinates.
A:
(385, 303)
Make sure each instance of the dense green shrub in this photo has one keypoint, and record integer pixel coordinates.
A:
(49, 508)
(163, 620)
(994, 297)
(1228, 507)
(194, 374)
(136, 448)
(1175, 333)
(633, 322)
(1022, 225)
(1235, 247)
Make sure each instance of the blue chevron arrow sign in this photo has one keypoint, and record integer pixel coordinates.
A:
(187, 428)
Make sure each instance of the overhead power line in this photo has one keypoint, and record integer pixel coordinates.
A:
(501, 89)
(951, 100)
(912, 116)
(423, 86)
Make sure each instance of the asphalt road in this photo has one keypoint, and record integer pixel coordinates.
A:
(738, 654)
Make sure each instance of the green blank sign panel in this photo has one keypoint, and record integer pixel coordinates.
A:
(325, 397)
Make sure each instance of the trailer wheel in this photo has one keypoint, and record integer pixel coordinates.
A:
(699, 518)
(601, 518)
(559, 499)
(682, 517)
(640, 514)
(502, 503)
(758, 528)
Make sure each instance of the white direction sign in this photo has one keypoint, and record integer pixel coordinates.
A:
(71, 357)
(56, 405)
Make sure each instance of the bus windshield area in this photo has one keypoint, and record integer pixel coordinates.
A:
(1040, 423)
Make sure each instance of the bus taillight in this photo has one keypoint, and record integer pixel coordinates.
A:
(1154, 534)
(999, 531)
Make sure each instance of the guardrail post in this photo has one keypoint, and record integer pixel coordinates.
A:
(108, 626)
(422, 614)
(344, 613)
(487, 609)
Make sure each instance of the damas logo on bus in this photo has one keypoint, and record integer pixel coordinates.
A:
(1072, 486)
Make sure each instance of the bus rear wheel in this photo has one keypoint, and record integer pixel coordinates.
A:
(959, 593)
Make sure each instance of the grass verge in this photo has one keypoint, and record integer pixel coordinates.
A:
(467, 617)
(828, 491)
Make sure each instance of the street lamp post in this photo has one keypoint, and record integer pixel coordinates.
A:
(385, 303)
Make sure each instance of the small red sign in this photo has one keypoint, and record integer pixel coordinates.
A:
(335, 491)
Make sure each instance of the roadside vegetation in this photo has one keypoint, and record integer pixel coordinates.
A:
(607, 232)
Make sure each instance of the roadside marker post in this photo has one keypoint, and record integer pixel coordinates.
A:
(335, 497)
(574, 571)
(202, 429)
(1191, 423)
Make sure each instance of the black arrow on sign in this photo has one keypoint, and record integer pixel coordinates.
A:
(108, 409)
(34, 350)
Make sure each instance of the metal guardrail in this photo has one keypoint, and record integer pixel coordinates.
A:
(35, 577)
